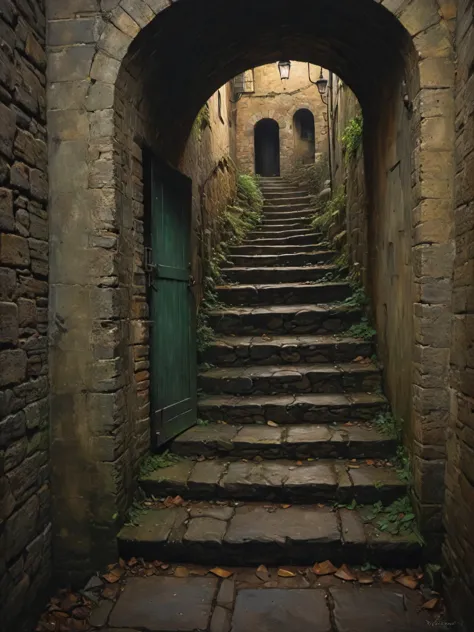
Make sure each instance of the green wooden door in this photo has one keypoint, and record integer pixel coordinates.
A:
(172, 309)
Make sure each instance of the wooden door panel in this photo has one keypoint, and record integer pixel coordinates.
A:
(173, 356)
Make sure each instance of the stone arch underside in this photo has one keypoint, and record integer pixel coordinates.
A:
(148, 71)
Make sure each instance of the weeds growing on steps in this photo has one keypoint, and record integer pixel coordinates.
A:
(362, 330)
(153, 462)
(238, 219)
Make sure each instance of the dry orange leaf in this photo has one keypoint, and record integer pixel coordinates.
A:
(431, 604)
(353, 467)
(181, 571)
(262, 573)
(284, 572)
(113, 576)
(345, 573)
(386, 577)
(365, 579)
(406, 580)
(324, 568)
(299, 463)
(359, 359)
(221, 572)
(272, 424)
(199, 571)
(370, 462)
(285, 506)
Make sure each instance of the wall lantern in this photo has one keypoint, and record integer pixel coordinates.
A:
(284, 69)
(321, 84)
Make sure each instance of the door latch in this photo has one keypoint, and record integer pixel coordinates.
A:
(192, 281)
(150, 267)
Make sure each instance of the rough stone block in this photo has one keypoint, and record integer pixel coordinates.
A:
(7, 220)
(8, 324)
(7, 130)
(21, 527)
(13, 363)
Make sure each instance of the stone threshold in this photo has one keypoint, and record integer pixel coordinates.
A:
(276, 481)
(292, 409)
(204, 533)
(360, 441)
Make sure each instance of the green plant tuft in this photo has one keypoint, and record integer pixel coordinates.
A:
(389, 425)
(362, 330)
(351, 138)
(153, 462)
(202, 120)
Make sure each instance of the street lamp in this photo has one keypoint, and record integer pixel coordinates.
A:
(321, 84)
(284, 69)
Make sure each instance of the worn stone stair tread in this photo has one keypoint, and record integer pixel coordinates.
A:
(285, 349)
(278, 269)
(263, 534)
(277, 274)
(328, 480)
(280, 260)
(307, 237)
(280, 249)
(307, 378)
(359, 440)
(283, 293)
(297, 318)
(290, 408)
(265, 232)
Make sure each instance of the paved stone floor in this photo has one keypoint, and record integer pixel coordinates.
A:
(158, 597)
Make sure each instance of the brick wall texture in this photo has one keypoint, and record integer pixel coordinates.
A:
(459, 503)
(25, 529)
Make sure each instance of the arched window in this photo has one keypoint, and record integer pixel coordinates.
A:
(304, 133)
(267, 148)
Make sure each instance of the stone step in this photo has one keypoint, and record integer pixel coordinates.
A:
(267, 350)
(301, 378)
(312, 408)
(358, 441)
(217, 535)
(301, 216)
(271, 194)
(295, 207)
(255, 249)
(283, 293)
(285, 319)
(265, 232)
(275, 224)
(290, 259)
(322, 481)
(276, 275)
(286, 200)
(305, 237)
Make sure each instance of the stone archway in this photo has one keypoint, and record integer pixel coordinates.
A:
(119, 79)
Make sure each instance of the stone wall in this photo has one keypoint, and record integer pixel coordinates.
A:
(107, 431)
(25, 529)
(459, 506)
(279, 100)
(388, 220)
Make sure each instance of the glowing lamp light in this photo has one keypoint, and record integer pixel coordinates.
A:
(284, 68)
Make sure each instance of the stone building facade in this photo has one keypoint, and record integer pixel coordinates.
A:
(123, 75)
(283, 101)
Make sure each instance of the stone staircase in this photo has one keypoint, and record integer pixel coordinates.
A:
(286, 438)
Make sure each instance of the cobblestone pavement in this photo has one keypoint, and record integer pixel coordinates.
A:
(158, 597)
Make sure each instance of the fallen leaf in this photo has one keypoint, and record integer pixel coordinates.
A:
(353, 467)
(321, 506)
(165, 567)
(365, 579)
(386, 577)
(359, 359)
(407, 581)
(199, 571)
(272, 424)
(113, 576)
(221, 572)
(299, 463)
(181, 571)
(370, 462)
(149, 572)
(111, 592)
(81, 612)
(348, 423)
(345, 573)
(263, 573)
(283, 572)
(431, 604)
(132, 562)
(324, 568)
(285, 506)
